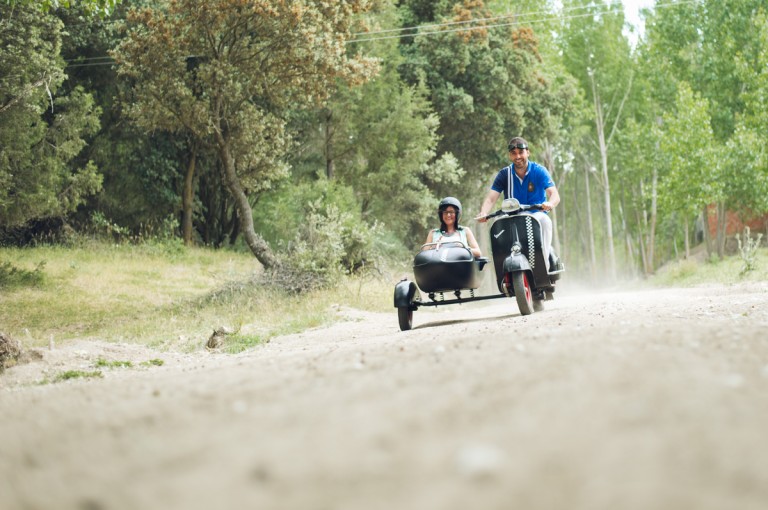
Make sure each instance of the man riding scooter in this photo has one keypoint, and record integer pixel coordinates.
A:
(531, 184)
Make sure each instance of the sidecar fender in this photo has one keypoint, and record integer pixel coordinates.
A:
(405, 291)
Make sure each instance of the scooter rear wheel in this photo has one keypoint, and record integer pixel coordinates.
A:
(523, 293)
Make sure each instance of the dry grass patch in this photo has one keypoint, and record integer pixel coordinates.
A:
(169, 299)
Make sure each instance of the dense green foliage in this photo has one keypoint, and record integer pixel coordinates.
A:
(43, 125)
(92, 6)
(328, 131)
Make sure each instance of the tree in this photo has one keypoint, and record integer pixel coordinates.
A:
(41, 131)
(143, 173)
(694, 176)
(381, 140)
(486, 84)
(96, 6)
(598, 55)
(226, 71)
(747, 161)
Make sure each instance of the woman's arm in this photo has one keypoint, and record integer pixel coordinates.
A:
(473, 246)
(429, 237)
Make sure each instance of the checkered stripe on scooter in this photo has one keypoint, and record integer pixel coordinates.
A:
(531, 242)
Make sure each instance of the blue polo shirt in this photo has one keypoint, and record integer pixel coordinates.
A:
(531, 190)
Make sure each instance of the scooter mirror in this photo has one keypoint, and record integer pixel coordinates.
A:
(510, 205)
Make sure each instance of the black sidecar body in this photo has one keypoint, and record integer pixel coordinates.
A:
(447, 267)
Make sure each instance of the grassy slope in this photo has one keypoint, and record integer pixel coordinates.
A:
(165, 296)
(727, 271)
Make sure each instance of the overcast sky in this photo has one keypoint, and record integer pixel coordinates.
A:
(632, 15)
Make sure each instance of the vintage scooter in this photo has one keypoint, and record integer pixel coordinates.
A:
(518, 262)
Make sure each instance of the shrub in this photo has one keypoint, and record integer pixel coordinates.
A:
(10, 350)
(13, 277)
(748, 251)
(328, 244)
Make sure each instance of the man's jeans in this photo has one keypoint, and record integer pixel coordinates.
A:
(546, 233)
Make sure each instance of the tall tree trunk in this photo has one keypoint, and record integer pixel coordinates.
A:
(642, 221)
(603, 147)
(644, 236)
(627, 237)
(255, 242)
(654, 219)
(607, 202)
(721, 226)
(187, 198)
(641, 241)
(577, 244)
(687, 240)
(707, 233)
(234, 229)
(329, 155)
(590, 228)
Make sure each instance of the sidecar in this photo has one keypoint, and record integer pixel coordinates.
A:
(438, 268)
(446, 267)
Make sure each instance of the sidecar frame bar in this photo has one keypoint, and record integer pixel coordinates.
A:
(457, 301)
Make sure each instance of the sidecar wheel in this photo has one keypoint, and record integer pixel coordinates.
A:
(405, 317)
(523, 293)
(538, 305)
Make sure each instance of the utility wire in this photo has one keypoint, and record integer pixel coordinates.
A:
(477, 20)
(471, 28)
(434, 29)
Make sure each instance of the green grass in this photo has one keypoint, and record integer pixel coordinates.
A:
(76, 374)
(170, 299)
(692, 272)
(102, 363)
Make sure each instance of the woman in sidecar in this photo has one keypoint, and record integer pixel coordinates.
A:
(448, 260)
(449, 214)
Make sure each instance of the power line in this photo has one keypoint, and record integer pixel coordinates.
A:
(468, 29)
(434, 29)
(477, 20)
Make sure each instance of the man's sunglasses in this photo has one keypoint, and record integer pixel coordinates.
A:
(520, 146)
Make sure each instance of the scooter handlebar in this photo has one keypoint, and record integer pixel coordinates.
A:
(523, 207)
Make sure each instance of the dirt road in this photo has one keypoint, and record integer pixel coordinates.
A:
(651, 399)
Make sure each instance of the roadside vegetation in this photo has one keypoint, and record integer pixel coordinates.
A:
(164, 296)
(731, 269)
(171, 297)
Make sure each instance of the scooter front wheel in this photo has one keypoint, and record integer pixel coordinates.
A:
(523, 294)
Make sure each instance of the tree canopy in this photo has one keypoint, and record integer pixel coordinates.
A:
(42, 128)
(226, 71)
(102, 7)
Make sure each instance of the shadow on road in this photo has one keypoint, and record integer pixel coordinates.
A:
(436, 324)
